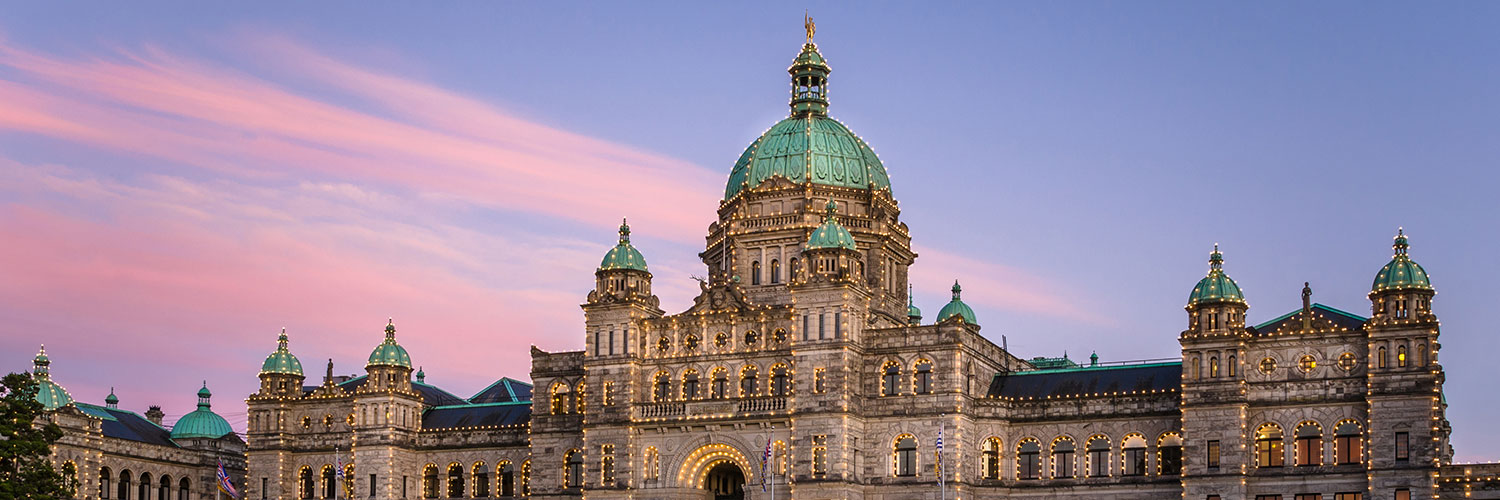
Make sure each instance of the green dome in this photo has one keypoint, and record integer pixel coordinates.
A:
(51, 395)
(202, 422)
(957, 307)
(623, 255)
(111, 399)
(1217, 286)
(830, 234)
(389, 353)
(1401, 273)
(913, 314)
(808, 147)
(282, 361)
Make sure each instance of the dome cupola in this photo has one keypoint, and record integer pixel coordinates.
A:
(111, 401)
(1401, 273)
(808, 147)
(830, 234)
(51, 395)
(1216, 287)
(389, 353)
(957, 308)
(202, 422)
(282, 361)
(623, 255)
(913, 314)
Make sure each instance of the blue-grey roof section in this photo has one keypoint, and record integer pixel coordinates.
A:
(505, 390)
(1039, 384)
(121, 424)
(477, 415)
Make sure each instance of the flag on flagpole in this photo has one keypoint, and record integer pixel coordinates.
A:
(338, 459)
(940, 454)
(225, 484)
(765, 466)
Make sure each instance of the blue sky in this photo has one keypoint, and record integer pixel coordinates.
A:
(1082, 156)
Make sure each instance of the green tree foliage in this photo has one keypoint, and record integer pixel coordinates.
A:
(25, 447)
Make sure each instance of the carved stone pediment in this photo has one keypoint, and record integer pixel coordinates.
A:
(720, 295)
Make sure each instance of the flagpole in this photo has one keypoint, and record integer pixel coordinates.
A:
(942, 487)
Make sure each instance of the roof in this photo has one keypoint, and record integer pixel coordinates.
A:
(281, 360)
(1401, 273)
(1324, 317)
(623, 255)
(1037, 384)
(812, 149)
(830, 234)
(121, 424)
(1216, 286)
(389, 353)
(476, 415)
(957, 307)
(505, 390)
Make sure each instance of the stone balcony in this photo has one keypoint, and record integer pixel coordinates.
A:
(709, 409)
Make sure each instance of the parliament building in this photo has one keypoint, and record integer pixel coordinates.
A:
(804, 344)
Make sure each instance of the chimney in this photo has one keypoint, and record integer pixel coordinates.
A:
(154, 414)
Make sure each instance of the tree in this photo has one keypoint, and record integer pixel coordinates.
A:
(26, 447)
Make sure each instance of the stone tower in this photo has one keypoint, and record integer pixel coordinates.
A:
(387, 416)
(1213, 403)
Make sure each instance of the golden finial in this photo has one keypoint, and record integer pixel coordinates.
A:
(807, 24)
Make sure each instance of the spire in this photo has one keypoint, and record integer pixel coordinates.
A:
(957, 290)
(624, 232)
(111, 401)
(421, 376)
(1400, 246)
(203, 395)
(830, 209)
(390, 331)
(40, 364)
(1215, 260)
(809, 77)
(1094, 359)
(281, 341)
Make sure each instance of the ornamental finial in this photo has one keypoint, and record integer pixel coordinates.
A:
(624, 230)
(809, 25)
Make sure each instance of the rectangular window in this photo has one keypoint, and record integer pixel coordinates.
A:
(372, 486)
(818, 384)
(806, 329)
(1347, 449)
(1309, 451)
(1213, 455)
(625, 341)
(820, 455)
(609, 394)
(1401, 494)
(838, 324)
(599, 342)
(1309, 496)
(611, 341)
(1135, 462)
(1402, 451)
(1171, 460)
(1098, 463)
(1358, 496)
(403, 486)
(607, 465)
(822, 317)
(264, 485)
(1267, 497)
(1213, 497)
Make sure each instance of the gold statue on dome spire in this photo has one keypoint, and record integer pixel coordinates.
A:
(807, 24)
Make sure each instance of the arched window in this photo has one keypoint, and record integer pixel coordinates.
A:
(183, 488)
(1213, 367)
(779, 385)
(796, 268)
(906, 456)
(330, 484)
(1421, 354)
(1380, 358)
(164, 488)
(1233, 366)
(578, 398)
(1169, 454)
(922, 379)
(348, 480)
(430, 481)
(1029, 459)
(1063, 453)
(1134, 446)
(690, 384)
(1401, 356)
(748, 384)
(1348, 444)
(573, 469)
(1309, 444)
(755, 273)
(1268, 446)
(990, 458)
(775, 271)
(653, 463)
(719, 388)
(305, 486)
(1098, 456)
(123, 492)
(526, 478)
(481, 476)
(104, 483)
(559, 398)
(144, 489)
(1196, 374)
(455, 480)
(891, 380)
(663, 385)
(507, 479)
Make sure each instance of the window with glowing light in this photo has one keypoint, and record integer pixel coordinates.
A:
(1063, 458)
(906, 456)
(1347, 361)
(719, 388)
(560, 396)
(1029, 460)
(1211, 460)
(820, 455)
(663, 387)
(1309, 444)
(1380, 358)
(1269, 449)
(1401, 494)
(1213, 367)
(507, 477)
(1403, 448)
(1401, 356)
(1309, 496)
(481, 475)
(721, 340)
(1348, 443)
(690, 384)
(990, 458)
(819, 384)
(430, 486)
(891, 379)
(1267, 366)
(1134, 463)
(607, 465)
(1169, 454)
(1098, 456)
(922, 379)
(573, 469)
(755, 273)
(779, 381)
(749, 386)
(1233, 366)
(775, 271)
(1306, 363)
(455, 480)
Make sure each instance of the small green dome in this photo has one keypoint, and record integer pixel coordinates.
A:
(389, 353)
(808, 147)
(282, 361)
(111, 399)
(1401, 273)
(623, 255)
(913, 314)
(957, 307)
(830, 234)
(202, 422)
(50, 394)
(1217, 286)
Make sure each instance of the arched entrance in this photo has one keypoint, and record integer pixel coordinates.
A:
(725, 481)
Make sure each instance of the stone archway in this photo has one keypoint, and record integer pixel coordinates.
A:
(724, 481)
(725, 462)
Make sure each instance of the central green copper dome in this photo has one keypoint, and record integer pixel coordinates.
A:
(202, 422)
(1217, 286)
(809, 147)
(389, 353)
